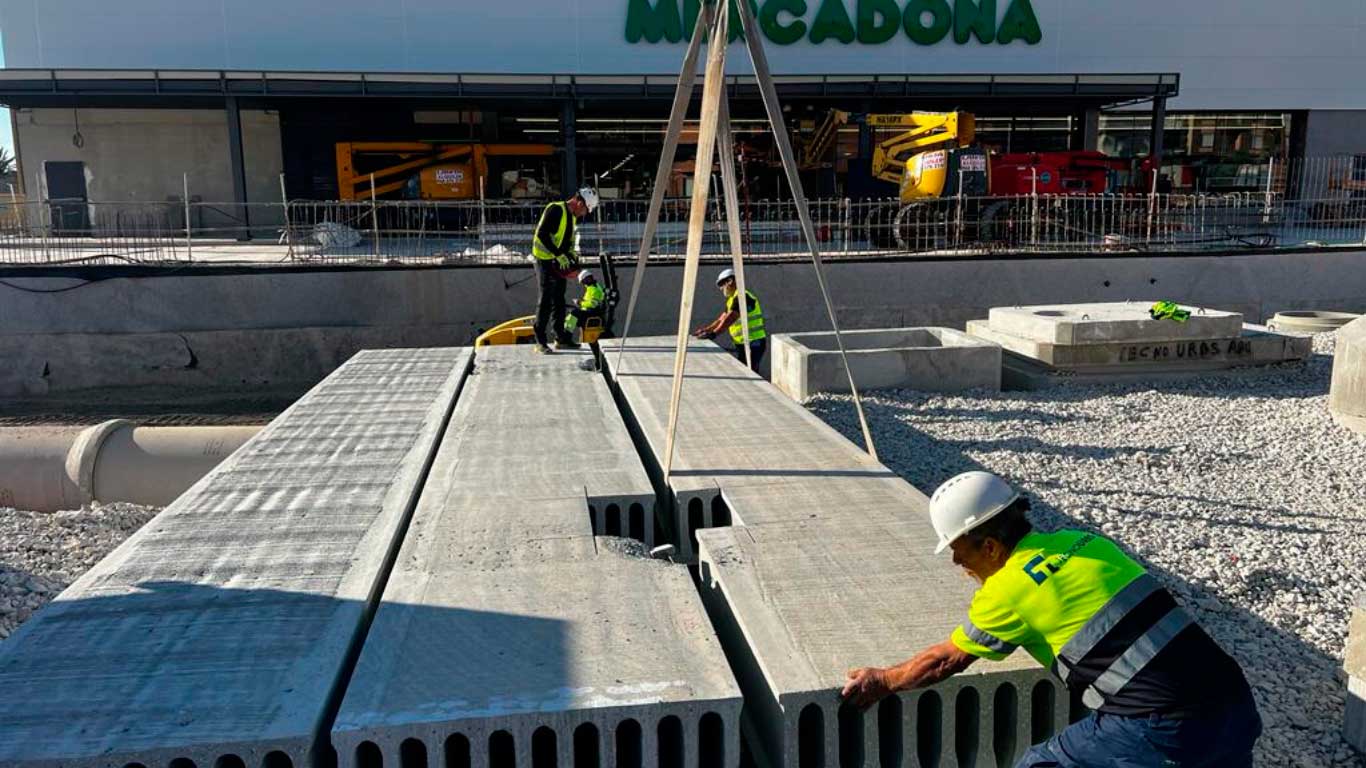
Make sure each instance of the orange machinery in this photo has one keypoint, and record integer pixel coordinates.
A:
(420, 170)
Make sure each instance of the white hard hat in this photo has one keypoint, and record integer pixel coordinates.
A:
(725, 275)
(965, 502)
(584, 274)
(590, 198)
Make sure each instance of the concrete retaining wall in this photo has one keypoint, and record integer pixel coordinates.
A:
(450, 306)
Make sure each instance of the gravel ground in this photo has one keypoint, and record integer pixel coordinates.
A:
(41, 552)
(1237, 489)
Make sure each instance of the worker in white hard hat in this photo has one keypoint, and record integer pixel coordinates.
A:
(729, 320)
(555, 251)
(1164, 693)
(591, 304)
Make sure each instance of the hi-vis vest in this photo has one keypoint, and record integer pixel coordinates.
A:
(755, 319)
(542, 251)
(593, 296)
(1079, 605)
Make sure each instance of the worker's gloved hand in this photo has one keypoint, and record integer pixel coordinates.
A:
(865, 687)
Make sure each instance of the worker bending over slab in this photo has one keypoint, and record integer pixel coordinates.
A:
(729, 320)
(1163, 692)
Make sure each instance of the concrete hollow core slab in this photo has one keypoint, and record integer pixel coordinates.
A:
(508, 634)
(220, 633)
(823, 563)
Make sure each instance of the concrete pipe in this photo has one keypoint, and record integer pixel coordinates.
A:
(1310, 321)
(46, 469)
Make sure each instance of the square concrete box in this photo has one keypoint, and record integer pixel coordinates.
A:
(926, 359)
(1110, 322)
(1354, 725)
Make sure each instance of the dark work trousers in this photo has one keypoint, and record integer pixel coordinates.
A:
(1220, 739)
(550, 301)
(757, 348)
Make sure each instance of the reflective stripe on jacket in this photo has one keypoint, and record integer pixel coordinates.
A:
(1080, 606)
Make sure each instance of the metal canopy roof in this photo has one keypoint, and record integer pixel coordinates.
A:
(95, 87)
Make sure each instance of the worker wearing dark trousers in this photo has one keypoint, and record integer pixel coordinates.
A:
(729, 320)
(556, 258)
(1164, 694)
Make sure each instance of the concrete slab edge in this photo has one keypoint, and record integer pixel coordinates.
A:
(960, 722)
(703, 733)
(322, 741)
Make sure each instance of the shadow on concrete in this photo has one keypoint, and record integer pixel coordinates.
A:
(177, 665)
(872, 473)
(699, 376)
(1291, 677)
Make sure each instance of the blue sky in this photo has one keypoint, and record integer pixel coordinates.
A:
(6, 130)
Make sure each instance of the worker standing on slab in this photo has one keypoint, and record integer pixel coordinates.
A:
(591, 304)
(730, 320)
(554, 247)
(1163, 692)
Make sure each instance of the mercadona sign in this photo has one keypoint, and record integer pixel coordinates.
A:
(872, 22)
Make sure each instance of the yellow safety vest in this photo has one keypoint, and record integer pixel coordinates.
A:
(755, 319)
(542, 251)
(1062, 596)
(593, 296)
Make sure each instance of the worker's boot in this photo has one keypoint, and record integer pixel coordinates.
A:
(542, 349)
(566, 341)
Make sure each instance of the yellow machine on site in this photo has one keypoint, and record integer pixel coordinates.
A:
(931, 155)
(519, 331)
(420, 170)
(932, 158)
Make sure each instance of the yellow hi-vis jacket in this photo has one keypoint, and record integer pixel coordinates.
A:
(1080, 606)
(755, 318)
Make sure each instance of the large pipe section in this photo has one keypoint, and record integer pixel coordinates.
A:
(46, 469)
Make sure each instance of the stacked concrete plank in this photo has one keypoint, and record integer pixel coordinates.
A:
(509, 634)
(220, 633)
(1120, 339)
(828, 566)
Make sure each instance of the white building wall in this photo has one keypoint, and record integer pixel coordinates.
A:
(133, 155)
(1232, 54)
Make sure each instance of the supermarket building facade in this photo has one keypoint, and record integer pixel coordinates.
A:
(132, 100)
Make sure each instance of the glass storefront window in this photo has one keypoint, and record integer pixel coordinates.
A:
(1204, 151)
